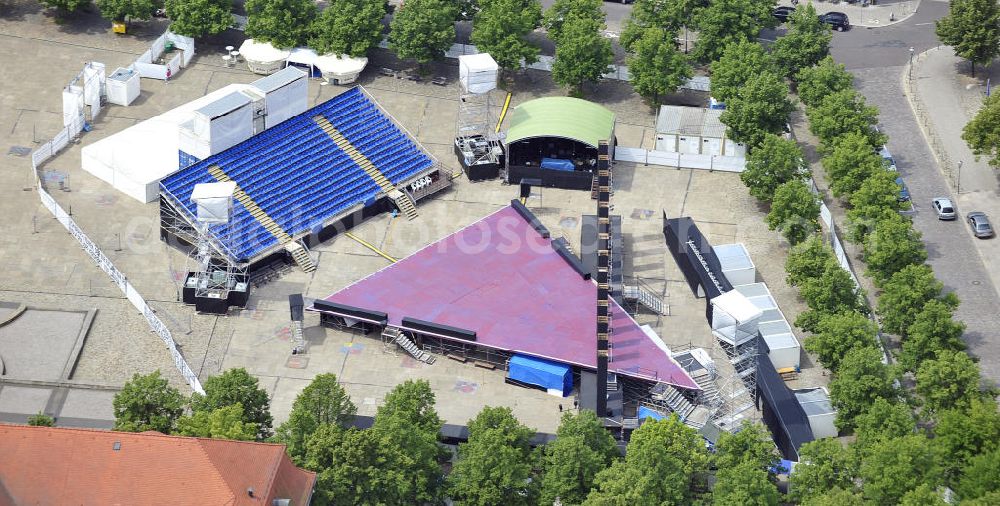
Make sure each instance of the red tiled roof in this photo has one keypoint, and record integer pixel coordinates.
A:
(44, 465)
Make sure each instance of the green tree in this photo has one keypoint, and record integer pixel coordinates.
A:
(752, 444)
(981, 478)
(882, 421)
(951, 380)
(495, 465)
(197, 18)
(65, 6)
(41, 420)
(724, 22)
(667, 16)
(349, 464)
(849, 162)
(808, 260)
(744, 485)
(836, 497)
(563, 11)
(772, 163)
(349, 27)
(582, 54)
(826, 77)
(283, 23)
(876, 199)
(655, 65)
(904, 296)
(897, 466)
(806, 43)
(963, 433)
(407, 429)
(824, 464)
(833, 292)
(147, 402)
(124, 10)
(972, 28)
(423, 30)
(982, 134)
(843, 112)
(583, 448)
(761, 106)
(737, 63)
(836, 334)
(923, 495)
(932, 330)
(860, 381)
(237, 386)
(322, 402)
(664, 461)
(220, 423)
(794, 211)
(501, 29)
(892, 245)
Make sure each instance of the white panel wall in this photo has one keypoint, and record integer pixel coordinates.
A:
(231, 129)
(286, 102)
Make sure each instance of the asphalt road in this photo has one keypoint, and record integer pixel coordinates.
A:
(878, 58)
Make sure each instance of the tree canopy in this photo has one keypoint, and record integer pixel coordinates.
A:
(147, 402)
(981, 478)
(723, 22)
(752, 444)
(761, 106)
(496, 465)
(824, 464)
(842, 112)
(932, 330)
(583, 448)
(806, 42)
(237, 386)
(833, 292)
(744, 485)
(666, 16)
(794, 211)
(583, 54)
(826, 77)
(892, 244)
(349, 464)
(655, 65)
(349, 27)
(283, 23)
(883, 420)
(41, 420)
(950, 380)
(904, 296)
(772, 163)
(122, 10)
(322, 402)
(876, 199)
(808, 260)
(197, 18)
(737, 63)
(965, 432)
(501, 28)
(861, 379)
(849, 162)
(897, 466)
(982, 134)
(838, 333)
(972, 28)
(226, 422)
(423, 30)
(564, 11)
(65, 6)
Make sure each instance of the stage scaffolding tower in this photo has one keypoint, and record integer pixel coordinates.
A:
(477, 141)
(604, 313)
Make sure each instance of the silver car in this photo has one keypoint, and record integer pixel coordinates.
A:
(980, 224)
(944, 208)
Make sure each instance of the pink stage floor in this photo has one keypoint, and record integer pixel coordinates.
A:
(500, 278)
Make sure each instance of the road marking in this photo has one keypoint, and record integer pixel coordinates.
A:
(922, 24)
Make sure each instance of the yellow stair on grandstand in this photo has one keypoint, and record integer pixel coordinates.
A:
(402, 200)
(298, 252)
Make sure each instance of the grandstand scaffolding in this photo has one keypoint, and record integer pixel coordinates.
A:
(478, 144)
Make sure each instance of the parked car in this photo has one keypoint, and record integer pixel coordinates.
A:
(904, 192)
(944, 208)
(890, 163)
(782, 13)
(980, 224)
(838, 20)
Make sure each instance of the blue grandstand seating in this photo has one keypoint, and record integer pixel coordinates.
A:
(299, 176)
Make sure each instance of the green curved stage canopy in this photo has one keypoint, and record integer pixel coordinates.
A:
(566, 117)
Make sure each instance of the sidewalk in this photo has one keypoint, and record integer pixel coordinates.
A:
(886, 12)
(944, 97)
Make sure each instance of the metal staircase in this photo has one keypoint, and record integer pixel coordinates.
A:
(301, 255)
(298, 342)
(673, 399)
(709, 395)
(402, 201)
(645, 298)
(397, 336)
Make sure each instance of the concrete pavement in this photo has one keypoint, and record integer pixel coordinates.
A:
(884, 13)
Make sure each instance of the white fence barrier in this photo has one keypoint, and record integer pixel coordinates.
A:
(74, 125)
(680, 161)
(146, 67)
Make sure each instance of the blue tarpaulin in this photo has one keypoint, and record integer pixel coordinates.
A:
(544, 373)
(557, 164)
(645, 412)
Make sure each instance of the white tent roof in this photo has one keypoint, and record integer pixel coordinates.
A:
(341, 64)
(213, 190)
(737, 306)
(262, 51)
(781, 341)
(481, 62)
(302, 55)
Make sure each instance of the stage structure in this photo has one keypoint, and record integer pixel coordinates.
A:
(478, 145)
(219, 282)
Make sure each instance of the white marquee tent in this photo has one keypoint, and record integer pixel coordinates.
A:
(340, 69)
(262, 57)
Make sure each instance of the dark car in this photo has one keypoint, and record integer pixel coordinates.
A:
(980, 224)
(838, 20)
(782, 13)
(904, 192)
